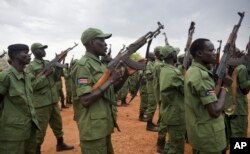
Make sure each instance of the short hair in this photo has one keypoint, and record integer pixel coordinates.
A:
(198, 44)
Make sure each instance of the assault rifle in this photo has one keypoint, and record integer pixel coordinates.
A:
(107, 58)
(123, 57)
(166, 39)
(245, 60)
(222, 68)
(3, 54)
(187, 57)
(56, 61)
(217, 57)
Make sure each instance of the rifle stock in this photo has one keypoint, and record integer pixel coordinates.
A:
(123, 56)
(60, 57)
(222, 68)
(186, 60)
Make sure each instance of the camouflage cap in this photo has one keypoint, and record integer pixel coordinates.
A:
(91, 33)
(177, 50)
(181, 56)
(157, 48)
(36, 46)
(166, 50)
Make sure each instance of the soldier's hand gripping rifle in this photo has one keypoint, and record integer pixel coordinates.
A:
(187, 56)
(56, 61)
(166, 39)
(222, 68)
(245, 60)
(124, 56)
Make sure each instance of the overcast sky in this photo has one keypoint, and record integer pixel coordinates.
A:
(60, 23)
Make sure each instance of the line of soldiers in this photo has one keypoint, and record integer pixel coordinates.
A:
(189, 108)
(28, 104)
(192, 104)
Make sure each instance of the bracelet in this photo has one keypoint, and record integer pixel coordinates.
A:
(224, 89)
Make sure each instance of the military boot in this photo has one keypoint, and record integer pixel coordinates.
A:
(124, 103)
(142, 117)
(151, 126)
(62, 146)
(160, 145)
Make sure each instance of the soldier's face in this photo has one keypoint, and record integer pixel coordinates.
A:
(99, 46)
(208, 54)
(41, 52)
(24, 57)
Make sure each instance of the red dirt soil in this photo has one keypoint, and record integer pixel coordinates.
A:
(132, 139)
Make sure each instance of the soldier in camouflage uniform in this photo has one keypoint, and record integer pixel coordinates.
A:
(237, 119)
(95, 110)
(203, 108)
(68, 84)
(45, 98)
(172, 102)
(143, 95)
(152, 104)
(18, 121)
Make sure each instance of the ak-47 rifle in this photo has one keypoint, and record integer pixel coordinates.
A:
(187, 57)
(141, 79)
(124, 57)
(166, 39)
(217, 56)
(245, 60)
(3, 54)
(56, 61)
(218, 52)
(107, 58)
(222, 68)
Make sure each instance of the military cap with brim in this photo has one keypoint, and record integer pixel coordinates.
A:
(17, 47)
(166, 50)
(92, 33)
(36, 46)
(157, 48)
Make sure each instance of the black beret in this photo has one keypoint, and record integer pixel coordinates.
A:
(17, 47)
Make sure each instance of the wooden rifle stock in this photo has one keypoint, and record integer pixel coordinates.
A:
(222, 68)
(124, 56)
(186, 60)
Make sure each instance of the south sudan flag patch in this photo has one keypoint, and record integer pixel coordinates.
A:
(82, 81)
(209, 92)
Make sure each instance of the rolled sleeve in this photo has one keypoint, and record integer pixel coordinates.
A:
(208, 99)
(83, 90)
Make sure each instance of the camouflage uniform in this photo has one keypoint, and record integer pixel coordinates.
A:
(237, 122)
(205, 134)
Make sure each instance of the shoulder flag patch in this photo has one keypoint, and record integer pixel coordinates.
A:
(209, 92)
(82, 80)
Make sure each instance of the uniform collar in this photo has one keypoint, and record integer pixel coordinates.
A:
(38, 61)
(194, 63)
(16, 73)
(92, 56)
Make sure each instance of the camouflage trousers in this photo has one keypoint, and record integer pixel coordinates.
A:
(99, 146)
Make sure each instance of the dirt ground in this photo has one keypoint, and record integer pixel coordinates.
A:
(132, 139)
